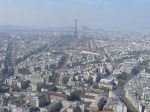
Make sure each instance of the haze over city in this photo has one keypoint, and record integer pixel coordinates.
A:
(117, 15)
(74, 56)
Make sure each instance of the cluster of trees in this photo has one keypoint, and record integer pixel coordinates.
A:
(147, 70)
(106, 90)
(122, 76)
(63, 60)
(78, 94)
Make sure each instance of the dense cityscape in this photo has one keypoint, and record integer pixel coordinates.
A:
(83, 70)
(74, 55)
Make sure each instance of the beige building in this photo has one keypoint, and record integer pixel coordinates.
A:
(38, 100)
(106, 85)
(37, 86)
(131, 98)
(22, 84)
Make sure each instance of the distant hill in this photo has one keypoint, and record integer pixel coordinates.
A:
(14, 27)
(20, 28)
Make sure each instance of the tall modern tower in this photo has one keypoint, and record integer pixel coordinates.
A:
(75, 32)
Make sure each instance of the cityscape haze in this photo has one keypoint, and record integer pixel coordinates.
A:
(124, 15)
(74, 56)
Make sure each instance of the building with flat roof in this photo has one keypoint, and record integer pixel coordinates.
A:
(38, 100)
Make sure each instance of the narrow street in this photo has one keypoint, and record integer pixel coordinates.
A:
(120, 89)
(8, 59)
(121, 93)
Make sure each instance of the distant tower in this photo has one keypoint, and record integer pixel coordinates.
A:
(75, 33)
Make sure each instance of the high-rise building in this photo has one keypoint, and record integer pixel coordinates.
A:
(75, 33)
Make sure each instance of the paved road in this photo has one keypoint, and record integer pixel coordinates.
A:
(121, 93)
(120, 89)
(8, 59)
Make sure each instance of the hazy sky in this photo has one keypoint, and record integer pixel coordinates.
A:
(107, 14)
